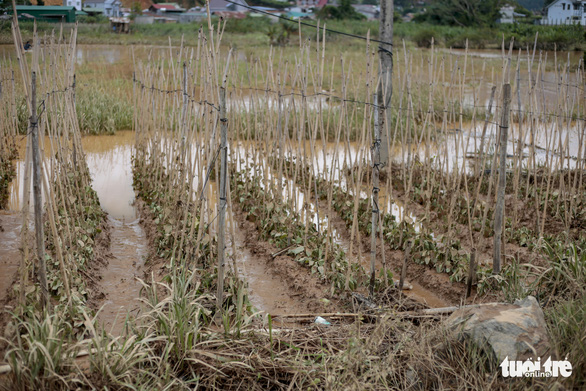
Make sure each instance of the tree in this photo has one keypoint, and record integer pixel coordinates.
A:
(135, 10)
(343, 11)
(464, 13)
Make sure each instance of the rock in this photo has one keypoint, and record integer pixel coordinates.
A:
(406, 285)
(517, 331)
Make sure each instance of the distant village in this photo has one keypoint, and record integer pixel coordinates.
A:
(558, 12)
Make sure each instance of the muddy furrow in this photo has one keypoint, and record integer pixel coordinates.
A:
(278, 286)
(361, 253)
(109, 161)
(10, 225)
(119, 283)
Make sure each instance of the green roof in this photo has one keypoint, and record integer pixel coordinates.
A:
(93, 9)
(81, 13)
(43, 8)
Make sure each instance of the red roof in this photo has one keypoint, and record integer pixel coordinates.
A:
(164, 6)
(230, 14)
(322, 3)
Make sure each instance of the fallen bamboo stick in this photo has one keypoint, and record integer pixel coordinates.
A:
(423, 312)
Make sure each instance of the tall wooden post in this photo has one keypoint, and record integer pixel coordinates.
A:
(385, 90)
(376, 152)
(380, 150)
(499, 213)
(184, 113)
(222, 203)
(37, 189)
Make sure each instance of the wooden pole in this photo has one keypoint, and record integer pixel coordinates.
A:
(37, 188)
(499, 213)
(406, 259)
(375, 189)
(480, 154)
(385, 90)
(222, 201)
(471, 273)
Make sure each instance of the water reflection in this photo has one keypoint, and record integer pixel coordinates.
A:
(109, 163)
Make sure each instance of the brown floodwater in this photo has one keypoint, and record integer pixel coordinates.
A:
(110, 165)
(109, 162)
(10, 256)
(119, 278)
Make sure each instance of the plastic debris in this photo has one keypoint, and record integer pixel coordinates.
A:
(320, 320)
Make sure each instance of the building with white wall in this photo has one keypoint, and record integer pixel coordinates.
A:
(73, 3)
(565, 12)
(111, 8)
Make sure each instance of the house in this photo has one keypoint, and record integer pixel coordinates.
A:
(72, 3)
(370, 11)
(165, 8)
(110, 8)
(165, 12)
(565, 12)
(223, 6)
(192, 17)
(93, 11)
(47, 13)
(508, 14)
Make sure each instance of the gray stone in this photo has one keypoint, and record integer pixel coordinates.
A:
(517, 331)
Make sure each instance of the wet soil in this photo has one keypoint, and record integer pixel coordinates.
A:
(121, 289)
(10, 225)
(10, 255)
(278, 286)
(424, 290)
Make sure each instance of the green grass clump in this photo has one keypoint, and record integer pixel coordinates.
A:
(7, 174)
(567, 322)
(100, 111)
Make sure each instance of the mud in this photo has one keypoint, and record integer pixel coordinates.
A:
(128, 250)
(420, 291)
(278, 286)
(10, 255)
(118, 290)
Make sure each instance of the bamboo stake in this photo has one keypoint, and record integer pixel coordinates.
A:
(37, 189)
(222, 197)
(500, 205)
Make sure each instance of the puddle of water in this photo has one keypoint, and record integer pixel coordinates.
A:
(109, 162)
(110, 166)
(265, 291)
(129, 250)
(422, 295)
(10, 255)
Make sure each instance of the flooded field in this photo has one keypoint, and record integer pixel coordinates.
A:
(249, 232)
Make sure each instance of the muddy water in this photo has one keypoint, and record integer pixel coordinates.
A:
(129, 249)
(109, 162)
(290, 191)
(265, 291)
(10, 224)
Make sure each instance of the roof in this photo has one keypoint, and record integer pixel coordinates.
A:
(221, 4)
(163, 7)
(296, 15)
(265, 9)
(322, 3)
(93, 9)
(43, 8)
(557, 1)
(230, 14)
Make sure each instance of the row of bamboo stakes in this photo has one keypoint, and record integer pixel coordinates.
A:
(521, 113)
(197, 104)
(46, 80)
